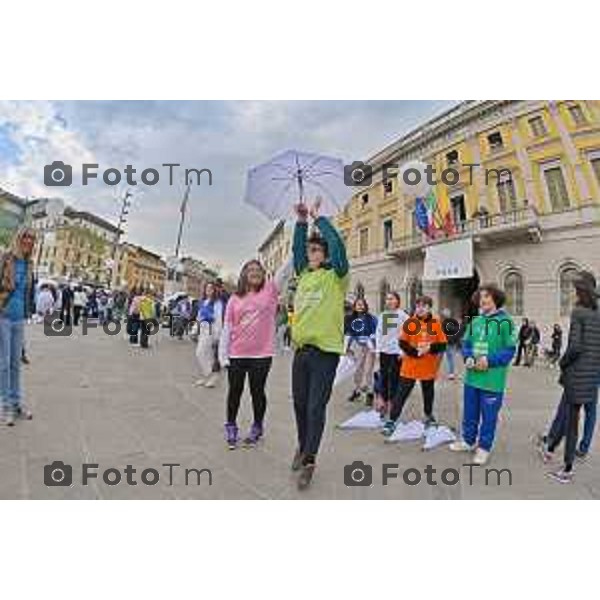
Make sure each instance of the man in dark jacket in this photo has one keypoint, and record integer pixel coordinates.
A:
(580, 374)
(524, 335)
(67, 305)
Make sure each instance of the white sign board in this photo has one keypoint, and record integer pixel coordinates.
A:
(449, 260)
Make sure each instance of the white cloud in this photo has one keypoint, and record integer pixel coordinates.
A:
(41, 137)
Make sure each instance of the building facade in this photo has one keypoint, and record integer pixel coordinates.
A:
(72, 244)
(140, 268)
(188, 275)
(531, 207)
(12, 215)
(274, 251)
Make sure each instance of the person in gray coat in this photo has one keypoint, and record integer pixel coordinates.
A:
(580, 371)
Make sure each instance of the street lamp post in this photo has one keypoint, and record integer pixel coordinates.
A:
(182, 218)
(117, 241)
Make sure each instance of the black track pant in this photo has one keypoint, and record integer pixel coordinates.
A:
(405, 387)
(257, 370)
(313, 373)
(571, 431)
(389, 371)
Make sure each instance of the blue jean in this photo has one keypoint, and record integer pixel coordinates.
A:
(480, 416)
(11, 345)
(558, 426)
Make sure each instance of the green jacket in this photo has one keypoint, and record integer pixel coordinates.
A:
(320, 293)
(493, 336)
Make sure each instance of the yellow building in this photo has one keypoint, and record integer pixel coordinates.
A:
(531, 206)
(140, 268)
(72, 244)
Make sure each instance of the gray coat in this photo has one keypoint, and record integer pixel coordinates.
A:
(580, 364)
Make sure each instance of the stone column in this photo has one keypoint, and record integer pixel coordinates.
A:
(571, 152)
(524, 165)
(478, 178)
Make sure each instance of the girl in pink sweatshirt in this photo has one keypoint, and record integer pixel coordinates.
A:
(247, 344)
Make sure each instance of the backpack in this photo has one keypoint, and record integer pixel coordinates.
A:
(146, 308)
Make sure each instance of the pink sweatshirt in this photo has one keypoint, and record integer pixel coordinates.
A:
(250, 322)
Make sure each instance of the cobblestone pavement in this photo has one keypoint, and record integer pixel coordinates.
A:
(96, 399)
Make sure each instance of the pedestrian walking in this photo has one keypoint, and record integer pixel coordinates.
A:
(66, 304)
(79, 304)
(16, 300)
(44, 305)
(489, 345)
(359, 329)
(247, 345)
(423, 343)
(210, 323)
(580, 374)
(146, 307)
(318, 332)
(387, 346)
(524, 336)
(532, 345)
(134, 320)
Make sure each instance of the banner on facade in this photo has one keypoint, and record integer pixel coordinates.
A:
(449, 260)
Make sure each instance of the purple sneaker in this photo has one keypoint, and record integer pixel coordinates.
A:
(256, 432)
(231, 435)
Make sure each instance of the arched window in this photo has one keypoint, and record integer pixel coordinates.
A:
(384, 289)
(567, 297)
(359, 290)
(513, 286)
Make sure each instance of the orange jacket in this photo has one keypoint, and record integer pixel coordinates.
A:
(414, 333)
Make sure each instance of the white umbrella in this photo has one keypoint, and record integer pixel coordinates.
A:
(275, 187)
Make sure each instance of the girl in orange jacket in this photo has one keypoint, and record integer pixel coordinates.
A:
(423, 343)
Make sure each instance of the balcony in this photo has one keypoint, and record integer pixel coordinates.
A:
(513, 225)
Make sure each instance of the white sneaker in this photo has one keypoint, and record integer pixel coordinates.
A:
(211, 382)
(481, 457)
(461, 446)
(200, 382)
(9, 417)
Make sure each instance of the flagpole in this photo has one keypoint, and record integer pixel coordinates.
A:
(182, 218)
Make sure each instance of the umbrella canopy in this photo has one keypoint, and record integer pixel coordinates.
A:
(275, 187)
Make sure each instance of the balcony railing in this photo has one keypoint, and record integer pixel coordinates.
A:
(508, 223)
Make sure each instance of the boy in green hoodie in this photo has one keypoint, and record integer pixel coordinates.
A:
(488, 348)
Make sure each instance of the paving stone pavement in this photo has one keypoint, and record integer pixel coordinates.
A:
(96, 399)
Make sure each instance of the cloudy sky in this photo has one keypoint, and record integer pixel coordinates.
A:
(226, 137)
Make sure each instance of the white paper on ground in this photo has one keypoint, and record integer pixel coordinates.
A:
(407, 432)
(366, 419)
(346, 369)
(437, 436)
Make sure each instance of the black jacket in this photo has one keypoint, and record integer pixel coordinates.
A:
(580, 364)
